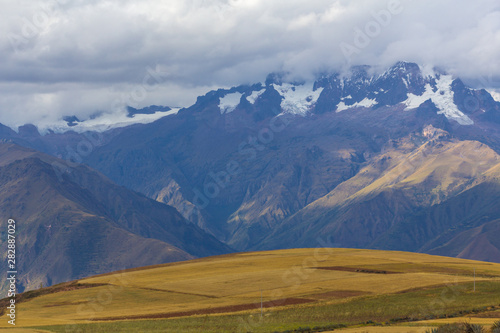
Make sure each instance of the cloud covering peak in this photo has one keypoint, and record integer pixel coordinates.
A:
(75, 57)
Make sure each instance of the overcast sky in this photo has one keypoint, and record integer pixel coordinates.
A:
(65, 57)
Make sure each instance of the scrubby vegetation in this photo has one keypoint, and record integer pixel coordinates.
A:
(465, 327)
(495, 328)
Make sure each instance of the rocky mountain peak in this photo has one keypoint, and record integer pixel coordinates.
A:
(433, 133)
(403, 87)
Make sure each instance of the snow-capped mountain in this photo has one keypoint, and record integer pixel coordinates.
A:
(406, 85)
(260, 153)
(275, 163)
(104, 121)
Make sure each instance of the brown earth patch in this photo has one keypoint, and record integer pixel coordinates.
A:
(356, 270)
(63, 304)
(220, 309)
(339, 294)
(178, 292)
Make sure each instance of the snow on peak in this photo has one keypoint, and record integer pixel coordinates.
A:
(414, 101)
(255, 94)
(298, 99)
(442, 98)
(104, 122)
(365, 103)
(495, 95)
(229, 102)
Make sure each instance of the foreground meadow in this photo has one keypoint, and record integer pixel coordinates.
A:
(275, 291)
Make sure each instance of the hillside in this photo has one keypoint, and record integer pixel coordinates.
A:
(389, 160)
(426, 192)
(79, 223)
(250, 171)
(273, 180)
(322, 288)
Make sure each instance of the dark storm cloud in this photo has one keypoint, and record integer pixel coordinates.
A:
(61, 57)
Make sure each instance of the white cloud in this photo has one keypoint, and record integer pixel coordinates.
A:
(77, 57)
(495, 95)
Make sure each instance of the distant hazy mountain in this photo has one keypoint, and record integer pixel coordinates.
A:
(79, 223)
(257, 165)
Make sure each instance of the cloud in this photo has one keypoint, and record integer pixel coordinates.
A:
(65, 57)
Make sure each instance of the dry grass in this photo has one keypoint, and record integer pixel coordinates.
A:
(232, 281)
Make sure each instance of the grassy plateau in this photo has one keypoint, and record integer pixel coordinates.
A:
(299, 290)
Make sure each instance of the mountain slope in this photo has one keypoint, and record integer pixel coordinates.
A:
(278, 164)
(240, 162)
(243, 160)
(425, 193)
(83, 224)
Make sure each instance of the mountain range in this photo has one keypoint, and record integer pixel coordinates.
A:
(406, 160)
(82, 223)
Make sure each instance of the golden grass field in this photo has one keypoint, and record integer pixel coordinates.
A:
(299, 288)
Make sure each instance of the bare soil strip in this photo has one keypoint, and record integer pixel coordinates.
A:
(340, 294)
(356, 270)
(221, 309)
(177, 292)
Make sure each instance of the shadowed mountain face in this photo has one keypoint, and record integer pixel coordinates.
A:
(397, 160)
(241, 183)
(425, 193)
(80, 223)
(241, 162)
